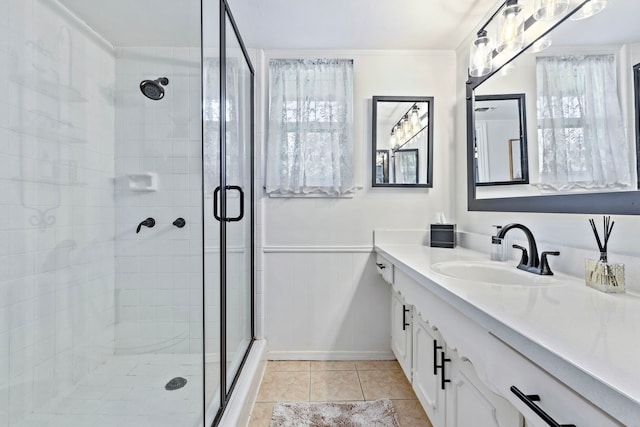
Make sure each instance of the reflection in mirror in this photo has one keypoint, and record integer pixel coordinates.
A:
(580, 106)
(500, 140)
(406, 166)
(382, 166)
(402, 141)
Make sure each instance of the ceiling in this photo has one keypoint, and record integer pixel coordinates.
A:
(290, 24)
(357, 24)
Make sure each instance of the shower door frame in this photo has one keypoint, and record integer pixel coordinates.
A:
(225, 12)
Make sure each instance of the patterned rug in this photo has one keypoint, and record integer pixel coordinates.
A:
(376, 413)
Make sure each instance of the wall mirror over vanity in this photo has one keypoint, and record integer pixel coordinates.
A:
(553, 108)
(402, 135)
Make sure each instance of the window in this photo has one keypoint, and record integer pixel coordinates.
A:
(580, 126)
(310, 130)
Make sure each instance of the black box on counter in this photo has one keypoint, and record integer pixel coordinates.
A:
(443, 236)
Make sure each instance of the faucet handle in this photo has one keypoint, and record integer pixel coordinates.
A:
(525, 256)
(544, 263)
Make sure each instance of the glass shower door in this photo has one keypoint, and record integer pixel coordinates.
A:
(228, 203)
(239, 201)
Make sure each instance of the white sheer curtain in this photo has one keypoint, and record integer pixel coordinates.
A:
(581, 135)
(406, 166)
(310, 132)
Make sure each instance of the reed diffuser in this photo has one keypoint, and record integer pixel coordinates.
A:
(601, 274)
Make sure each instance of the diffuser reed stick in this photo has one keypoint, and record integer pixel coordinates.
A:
(608, 227)
(602, 275)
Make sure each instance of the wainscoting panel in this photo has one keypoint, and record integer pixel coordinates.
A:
(325, 303)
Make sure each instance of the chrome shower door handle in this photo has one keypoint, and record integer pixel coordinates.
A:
(216, 192)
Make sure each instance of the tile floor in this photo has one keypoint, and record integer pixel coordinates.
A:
(286, 381)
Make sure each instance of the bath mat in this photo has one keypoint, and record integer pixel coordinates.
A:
(376, 413)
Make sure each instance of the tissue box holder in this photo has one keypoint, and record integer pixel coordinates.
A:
(604, 276)
(443, 236)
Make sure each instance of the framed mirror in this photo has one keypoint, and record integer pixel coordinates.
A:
(402, 137)
(501, 156)
(581, 111)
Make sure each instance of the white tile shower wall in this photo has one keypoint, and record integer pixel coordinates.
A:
(57, 206)
(159, 270)
(300, 226)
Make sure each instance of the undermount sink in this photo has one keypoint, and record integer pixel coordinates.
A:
(492, 272)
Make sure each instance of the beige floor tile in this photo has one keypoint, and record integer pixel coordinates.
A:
(368, 365)
(287, 366)
(261, 415)
(410, 413)
(390, 383)
(284, 387)
(332, 365)
(331, 386)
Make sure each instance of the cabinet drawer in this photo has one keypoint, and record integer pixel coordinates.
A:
(385, 268)
(556, 399)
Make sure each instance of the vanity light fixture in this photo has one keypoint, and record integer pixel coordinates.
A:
(548, 10)
(589, 9)
(481, 55)
(409, 125)
(415, 117)
(541, 44)
(511, 27)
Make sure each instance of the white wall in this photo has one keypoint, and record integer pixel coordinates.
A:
(159, 270)
(322, 297)
(569, 233)
(56, 233)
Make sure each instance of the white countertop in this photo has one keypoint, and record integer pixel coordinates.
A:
(597, 333)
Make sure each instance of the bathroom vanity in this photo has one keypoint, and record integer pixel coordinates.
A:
(477, 338)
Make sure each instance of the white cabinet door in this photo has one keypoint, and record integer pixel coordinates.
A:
(401, 336)
(427, 345)
(470, 403)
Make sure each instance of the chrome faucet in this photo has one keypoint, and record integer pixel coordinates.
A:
(529, 261)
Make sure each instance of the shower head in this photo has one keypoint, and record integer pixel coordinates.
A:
(153, 89)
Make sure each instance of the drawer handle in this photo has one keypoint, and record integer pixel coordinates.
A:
(436, 347)
(405, 310)
(381, 266)
(443, 380)
(529, 401)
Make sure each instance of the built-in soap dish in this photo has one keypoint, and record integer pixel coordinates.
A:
(147, 181)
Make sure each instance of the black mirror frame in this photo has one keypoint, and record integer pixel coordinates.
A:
(618, 202)
(374, 115)
(524, 150)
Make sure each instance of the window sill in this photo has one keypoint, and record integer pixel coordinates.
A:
(317, 195)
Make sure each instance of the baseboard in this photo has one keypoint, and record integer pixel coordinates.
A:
(330, 355)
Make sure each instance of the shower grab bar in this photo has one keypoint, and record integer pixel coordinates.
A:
(215, 203)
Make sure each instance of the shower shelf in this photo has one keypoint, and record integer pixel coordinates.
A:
(51, 182)
(48, 134)
(49, 88)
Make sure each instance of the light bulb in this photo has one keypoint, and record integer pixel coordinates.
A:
(399, 133)
(406, 125)
(415, 117)
(511, 27)
(548, 10)
(481, 56)
(589, 9)
(392, 140)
